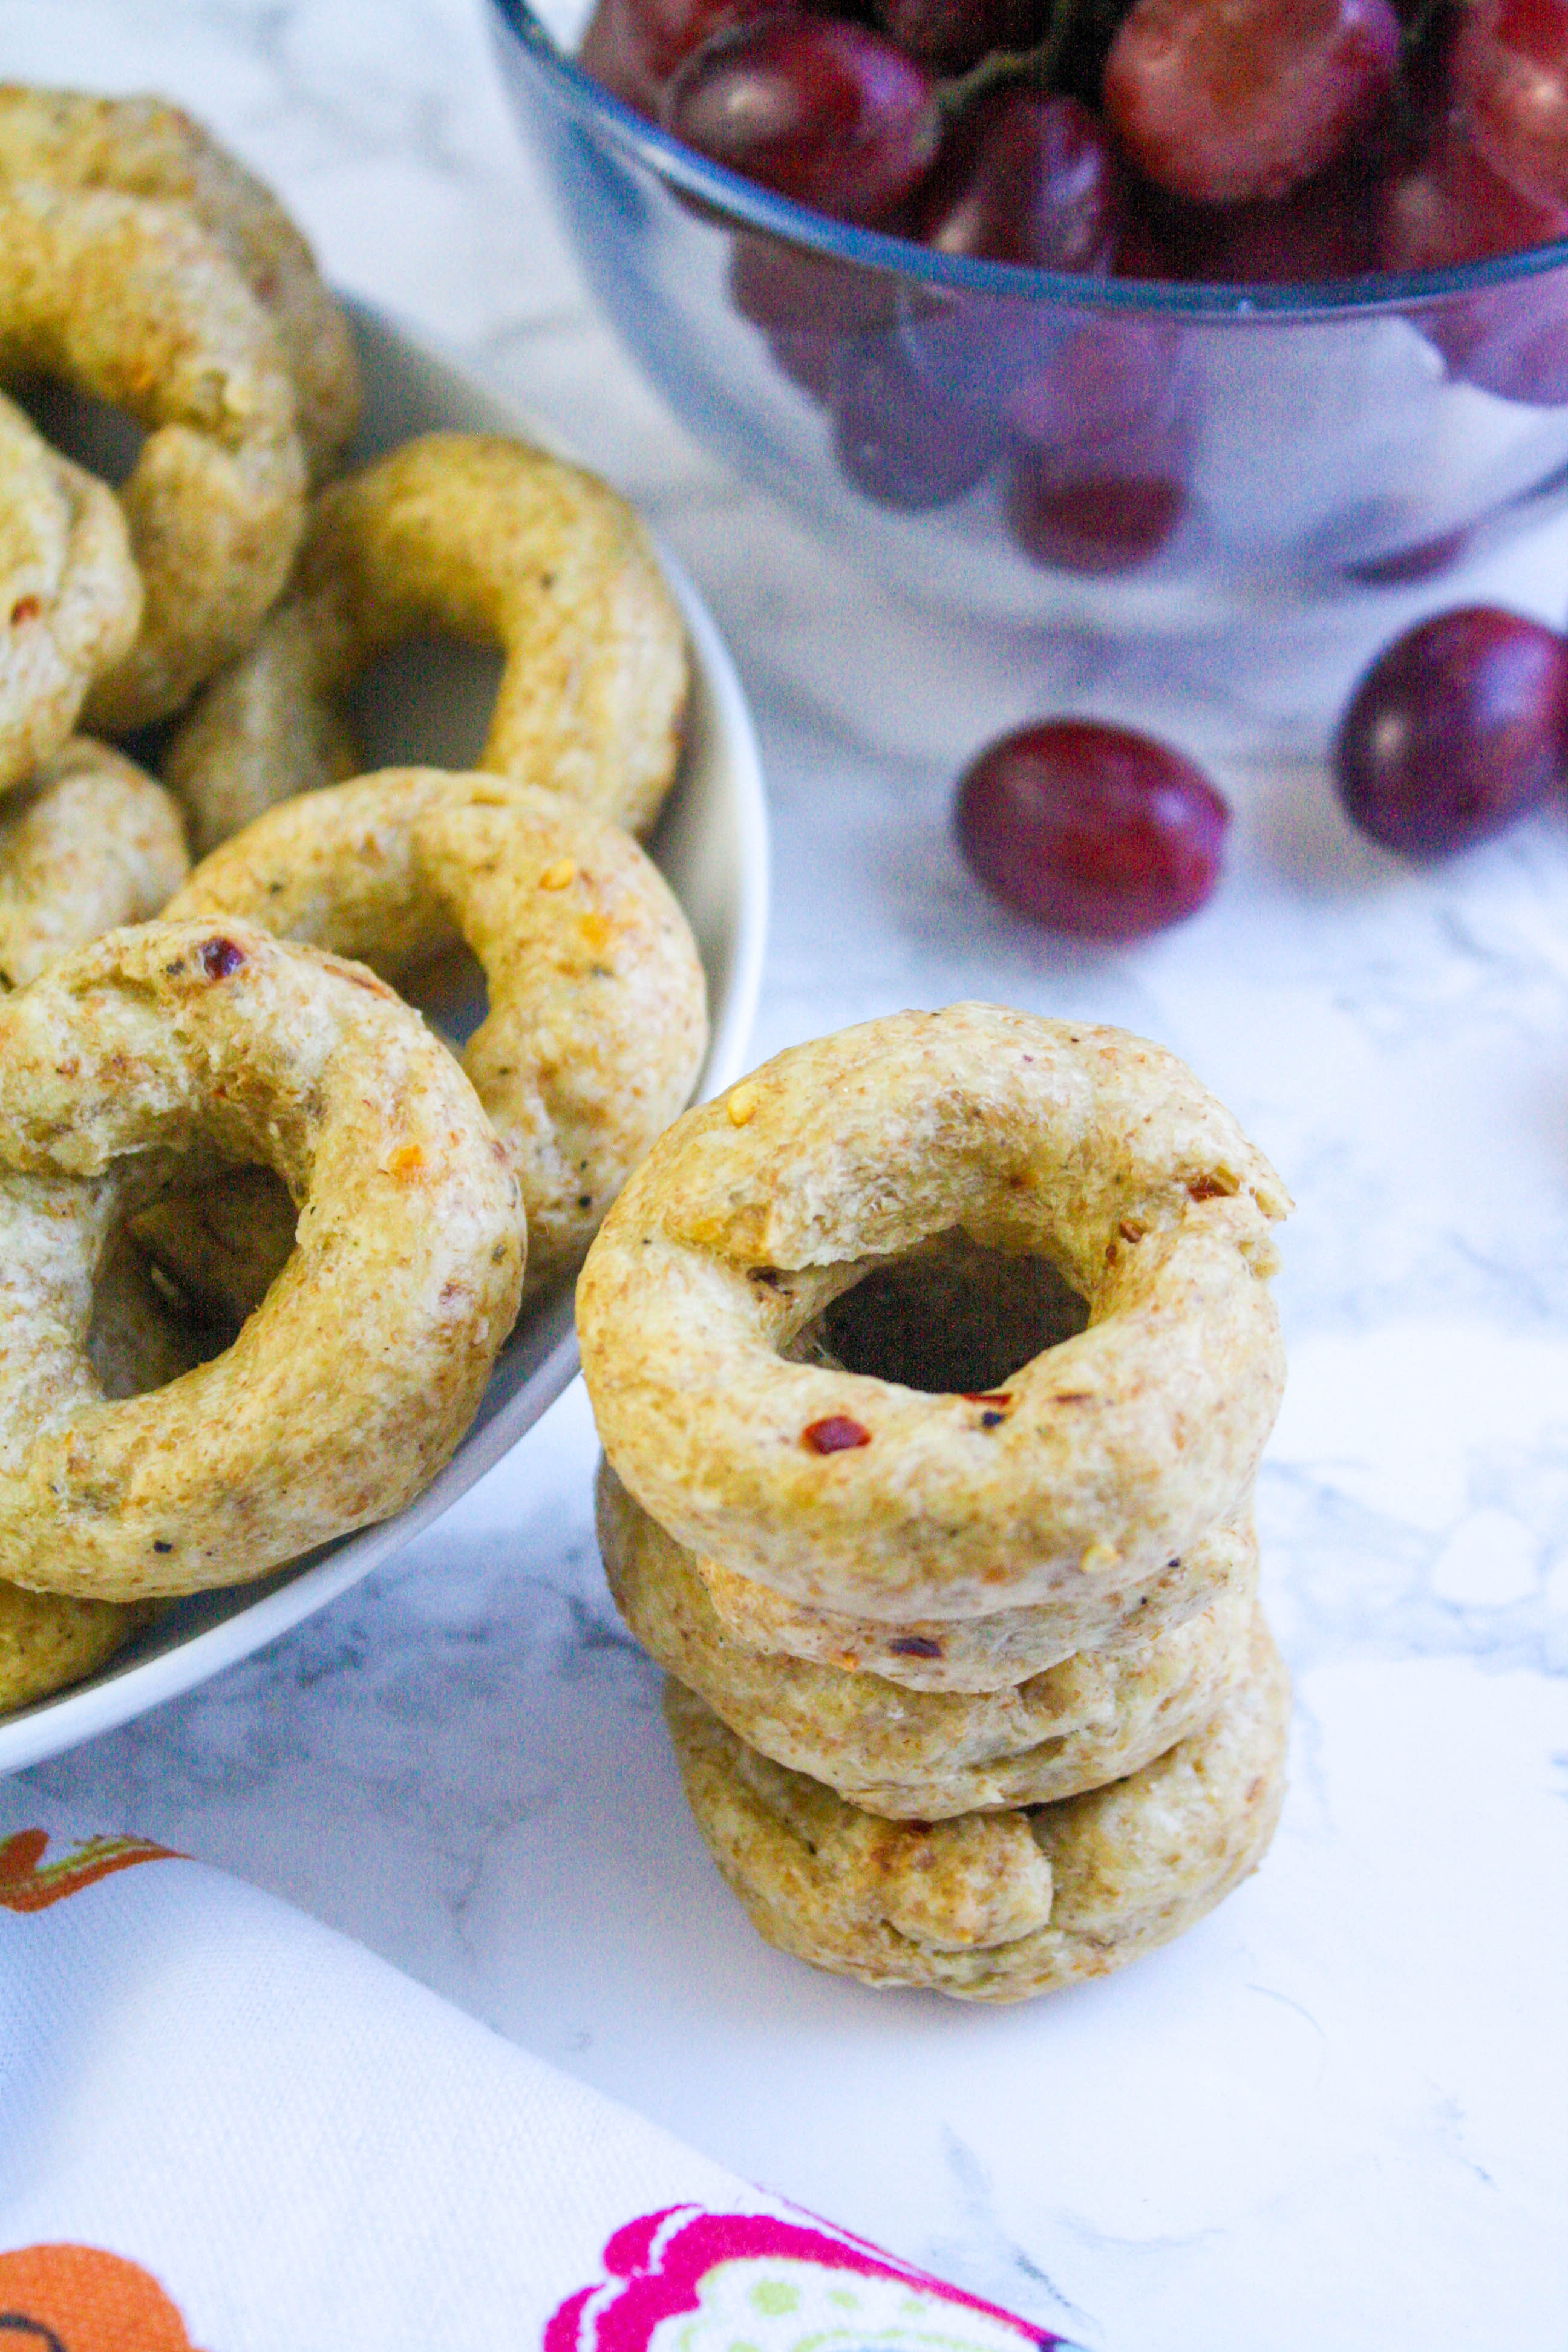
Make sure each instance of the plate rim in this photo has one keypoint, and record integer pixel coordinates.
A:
(127, 1686)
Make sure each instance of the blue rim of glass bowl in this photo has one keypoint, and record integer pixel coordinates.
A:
(760, 208)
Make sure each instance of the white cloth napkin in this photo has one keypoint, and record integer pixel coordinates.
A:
(223, 2126)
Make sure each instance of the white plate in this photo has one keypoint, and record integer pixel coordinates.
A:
(712, 844)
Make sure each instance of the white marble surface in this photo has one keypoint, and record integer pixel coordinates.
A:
(1333, 2115)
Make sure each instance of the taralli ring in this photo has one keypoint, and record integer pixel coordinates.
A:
(144, 147)
(1105, 1611)
(720, 1364)
(995, 1906)
(1092, 1718)
(70, 596)
(495, 543)
(133, 303)
(47, 1639)
(90, 842)
(353, 1381)
(597, 1019)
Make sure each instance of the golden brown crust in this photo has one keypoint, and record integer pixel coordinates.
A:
(90, 842)
(908, 1755)
(70, 596)
(132, 302)
(144, 147)
(134, 1342)
(995, 1906)
(985, 1653)
(1110, 1454)
(496, 543)
(597, 1020)
(48, 1642)
(355, 1379)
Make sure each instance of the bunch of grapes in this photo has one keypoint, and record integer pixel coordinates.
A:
(1215, 141)
(1218, 140)
(1221, 142)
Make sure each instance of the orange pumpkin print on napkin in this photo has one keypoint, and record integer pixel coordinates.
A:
(79, 2299)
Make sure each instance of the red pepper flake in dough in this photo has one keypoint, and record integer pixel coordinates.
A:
(1210, 1188)
(25, 608)
(987, 1396)
(218, 958)
(835, 1434)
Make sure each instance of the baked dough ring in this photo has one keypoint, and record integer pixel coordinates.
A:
(597, 1019)
(47, 1640)
(144, 147)
(494, 542)
(353, 1381)
(1110, 1454)
(133, 302)
(90, 842)
(998, 1905)
(928, 1754)
(70, 596)
(983, 1653)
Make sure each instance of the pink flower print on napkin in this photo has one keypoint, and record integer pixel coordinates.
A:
(722, 2281)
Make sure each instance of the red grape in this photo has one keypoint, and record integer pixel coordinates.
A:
(819, 108)
(809, 360)
(897, 437)
(954, 34)
(1092, 829)
(1097, 522)
(633, 45)
(611, 53)
(1024, 178)
(1114, 377)
(1510, 340)
(1450, 207)
(809, 306)
(1223, 100)
(1456, 728)
(1509, 75)
(1097, 482)
(1422, 562)
(1322, 230)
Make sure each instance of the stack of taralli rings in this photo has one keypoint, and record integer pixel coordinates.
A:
(932, 1366)
(263, 1230)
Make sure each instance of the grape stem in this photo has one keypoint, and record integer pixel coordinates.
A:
(1038, 66)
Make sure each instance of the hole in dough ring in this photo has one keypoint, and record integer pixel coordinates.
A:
(928, 1754)
(90, 843)
(144, 147)
(597, 1020)
(1111, 1453)
(70, 596)
(995, 1906)
(354, 1381)
(495, 543)
(133, 302)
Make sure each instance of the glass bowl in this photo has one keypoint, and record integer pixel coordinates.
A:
(1016, 442)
